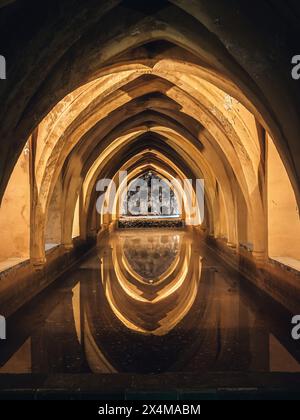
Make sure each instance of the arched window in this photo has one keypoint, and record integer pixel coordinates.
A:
(150, 196)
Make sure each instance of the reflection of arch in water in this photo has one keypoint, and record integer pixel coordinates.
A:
(140, 290)
(192, 342)
(216, 332)
(156, 308)
(152, 258)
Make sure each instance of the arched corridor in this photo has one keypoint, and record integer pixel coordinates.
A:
(150, 173)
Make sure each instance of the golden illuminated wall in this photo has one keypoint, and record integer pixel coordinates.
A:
(172, 113)
(283, 212)
(15, 213)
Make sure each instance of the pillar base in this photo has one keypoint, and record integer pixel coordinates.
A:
(259, 256)
(38, 263)
(69, 247)
(231, 245)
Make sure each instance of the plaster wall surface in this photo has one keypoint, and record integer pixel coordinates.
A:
(283, 213)
(15, 213)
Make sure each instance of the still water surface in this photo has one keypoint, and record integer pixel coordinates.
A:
(149, 301)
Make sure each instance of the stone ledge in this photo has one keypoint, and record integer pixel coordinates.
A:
(171, 386)
(21, 283)
(275, 279)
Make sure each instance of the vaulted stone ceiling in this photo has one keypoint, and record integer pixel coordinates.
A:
(189, 87)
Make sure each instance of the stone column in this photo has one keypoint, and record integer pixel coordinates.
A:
(37, 255)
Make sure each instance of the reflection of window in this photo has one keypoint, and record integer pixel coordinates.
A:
(150, 195)
(151, 256)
